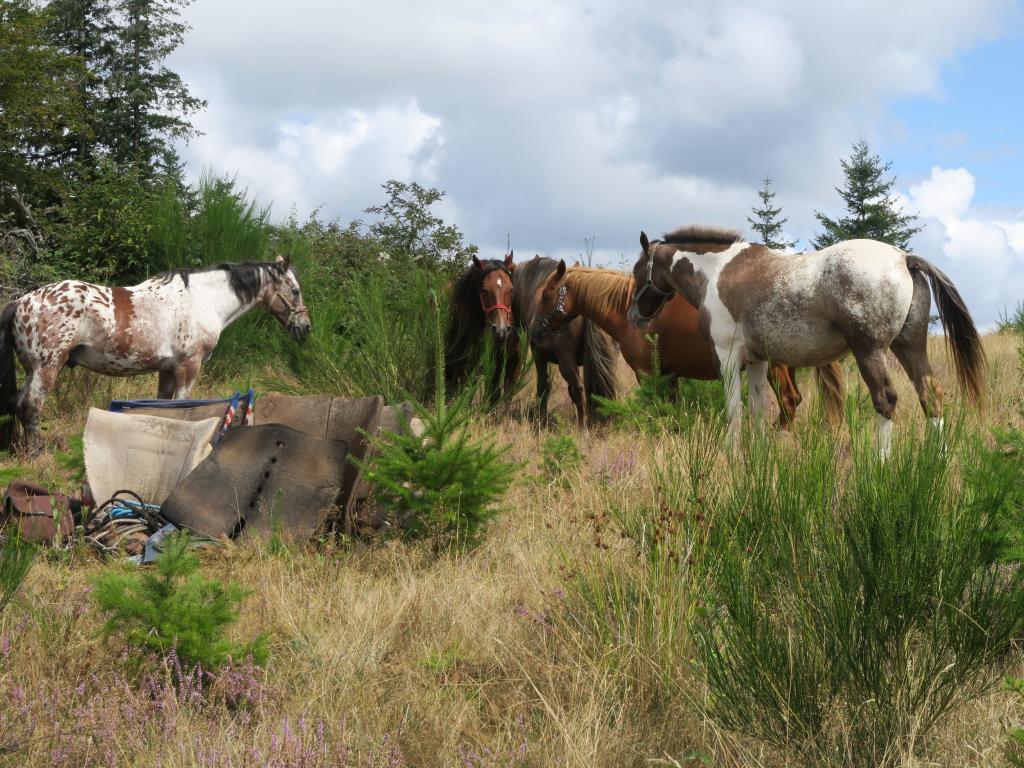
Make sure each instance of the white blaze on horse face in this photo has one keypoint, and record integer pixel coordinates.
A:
(499, 282)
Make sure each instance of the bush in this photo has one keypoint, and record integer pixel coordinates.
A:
(560, 454)
(662, 402)
(852, 607)
(442, 484)
(175, 608)
(16, 557)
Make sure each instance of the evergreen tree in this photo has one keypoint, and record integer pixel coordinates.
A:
(147, 104)
(38, 103)
(870, 204)
(766, 221)
(85, 30)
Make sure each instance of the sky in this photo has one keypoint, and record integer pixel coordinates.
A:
(551, 123)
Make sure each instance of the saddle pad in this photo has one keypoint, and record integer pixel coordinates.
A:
(148, 455)
(259, 478)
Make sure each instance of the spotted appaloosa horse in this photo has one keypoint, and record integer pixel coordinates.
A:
(809, 309)
(170, 323)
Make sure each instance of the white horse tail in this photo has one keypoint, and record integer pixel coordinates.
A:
(8, 379)
(961, 333)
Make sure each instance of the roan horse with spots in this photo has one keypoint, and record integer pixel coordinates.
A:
(604, 296)
(809, 309)
(170, 324)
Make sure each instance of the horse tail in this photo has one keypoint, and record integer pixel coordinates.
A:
(8, 379)
(962, 336)
(833, 389)
(599, 355)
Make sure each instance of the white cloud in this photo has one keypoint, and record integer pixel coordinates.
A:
(983, 256)
(552, 122)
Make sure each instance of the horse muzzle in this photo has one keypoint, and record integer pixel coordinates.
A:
(299, 328)
(633, 315)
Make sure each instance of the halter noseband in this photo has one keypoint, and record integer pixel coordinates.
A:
(505, 309)
(649, 285)
(544, 323)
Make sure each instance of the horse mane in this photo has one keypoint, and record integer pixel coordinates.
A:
(528, 280)
(701, 235)
(604, 290)
(246, 278)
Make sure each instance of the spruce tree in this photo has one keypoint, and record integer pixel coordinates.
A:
(766, 221)
(147, 104)
(871, 207)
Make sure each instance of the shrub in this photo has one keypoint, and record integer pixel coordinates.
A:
(175, 608)
(662, 402)
(852, 606)
(560, 454)
(443, 483)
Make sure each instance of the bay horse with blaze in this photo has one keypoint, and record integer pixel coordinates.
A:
(170, 323)
(481, 302)
(809, 309)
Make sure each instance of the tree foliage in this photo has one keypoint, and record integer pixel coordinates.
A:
(872, 210)
(766, 221)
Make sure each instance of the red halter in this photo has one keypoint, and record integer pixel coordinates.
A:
(505, 309)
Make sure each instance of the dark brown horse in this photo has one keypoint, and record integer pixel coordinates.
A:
(481, 302)
(578, 342)
(604, 296)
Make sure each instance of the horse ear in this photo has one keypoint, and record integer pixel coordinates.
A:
(560, 272)
(285, 262)
(476, 262)
(644, 242)
(508, 260)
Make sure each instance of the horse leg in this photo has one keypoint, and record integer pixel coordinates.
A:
(913, 357)
(757, 383)
(37, 386)
(883, 396)
(185, 376)
(571, 374)
(543, 389)
(165, 385)
(911, 349)
(782, 380)
(730, 368)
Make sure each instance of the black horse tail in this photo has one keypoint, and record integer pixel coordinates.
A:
(8, 379)
(961, 334)
(599, 356)
(833, 390)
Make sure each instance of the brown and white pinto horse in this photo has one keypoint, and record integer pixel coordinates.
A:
(809, 309)
(170, 323)
(604, 296)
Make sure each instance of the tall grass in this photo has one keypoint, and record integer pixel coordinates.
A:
(851, 605)
(16, 557)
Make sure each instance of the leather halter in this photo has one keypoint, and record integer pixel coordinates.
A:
(649, 285)
(505, 309)
(544, 323)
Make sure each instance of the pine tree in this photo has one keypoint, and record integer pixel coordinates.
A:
(147, 104)
(766, 221)
(870, 204)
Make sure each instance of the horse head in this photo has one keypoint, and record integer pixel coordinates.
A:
(496, 293)
(652, 278)
(282, 297)
(554, 307)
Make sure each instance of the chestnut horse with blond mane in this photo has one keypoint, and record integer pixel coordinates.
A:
(604, 296)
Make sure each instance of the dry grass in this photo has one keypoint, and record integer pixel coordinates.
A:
(475, 659)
